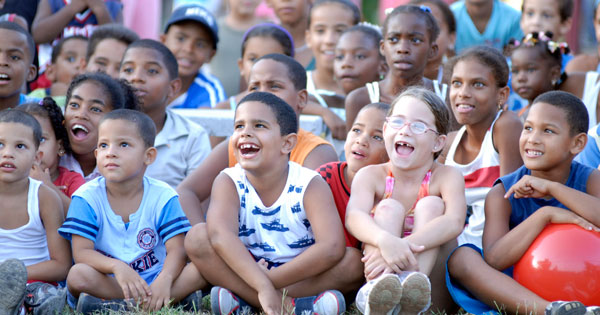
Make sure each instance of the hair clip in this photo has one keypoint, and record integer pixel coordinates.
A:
(372, 26)
(563, 47)
(388, 11)
(425, 8)
(41, 102)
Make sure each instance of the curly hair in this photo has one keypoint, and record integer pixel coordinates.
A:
(47, 108)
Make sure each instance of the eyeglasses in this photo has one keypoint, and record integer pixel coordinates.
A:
(416, 127)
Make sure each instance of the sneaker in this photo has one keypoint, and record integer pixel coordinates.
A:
(13, 280)
(43, 298)
(416, 292)
(592, 310)
(223, 301)
(565, 308)
(192, 302)
(380, 296)
(330, 302)
(88, 304)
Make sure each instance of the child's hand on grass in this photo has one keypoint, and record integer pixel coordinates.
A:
(160, 294)
(133, 286)
(270, 301)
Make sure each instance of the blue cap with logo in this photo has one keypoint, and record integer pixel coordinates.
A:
(194, 12)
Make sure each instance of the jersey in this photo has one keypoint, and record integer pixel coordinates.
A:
(70, 180)
(279, 232)
(140, 242)
(441, 90)
(480, 175)
(28, 242)
(85, 22)
(333, 174)
(206, 91)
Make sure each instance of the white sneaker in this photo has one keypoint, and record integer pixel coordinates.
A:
(416, 292)
(330, 302)
(380, 296)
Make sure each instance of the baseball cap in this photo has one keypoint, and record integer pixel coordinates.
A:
(194, 12)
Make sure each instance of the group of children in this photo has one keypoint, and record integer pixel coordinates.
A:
(115, 201)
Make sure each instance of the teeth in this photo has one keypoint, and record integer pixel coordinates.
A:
(329, 52)
(7, 165)
(404, 144)
(3, 76)
(536, 153)
(78, 126)
(465, 106)
(248, 146)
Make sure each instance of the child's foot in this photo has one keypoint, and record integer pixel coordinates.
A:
(88, 304)
(13, 280)
(565, 308)
(223, 301)
(416, 292)
(330, 302)
(380, 296)
(43, 298)
(192, 302)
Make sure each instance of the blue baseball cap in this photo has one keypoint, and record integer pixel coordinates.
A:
(194, 12)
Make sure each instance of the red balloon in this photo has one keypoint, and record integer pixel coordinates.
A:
(562, 263)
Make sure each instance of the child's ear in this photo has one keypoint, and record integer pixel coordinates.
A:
(31, 73)
(564, 28)
(240, 63)
(289, 142)
(163, 38)
(382, 69)
(82, 65)
(51, 72)
(502, 96)
(38, 157)
(174, 87)
(61, 148)
(150, 156)
(433, 51)
(210, 57)
(307, 37)
(578, 143)
(382, 48)
(302, 100)
(555, 74)
(440, 141)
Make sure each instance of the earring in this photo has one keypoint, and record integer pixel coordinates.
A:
(61, 152)
(554, 82)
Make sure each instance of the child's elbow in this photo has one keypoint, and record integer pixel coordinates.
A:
(334, 251)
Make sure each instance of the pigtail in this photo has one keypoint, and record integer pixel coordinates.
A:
(131, 99)
(57, 119)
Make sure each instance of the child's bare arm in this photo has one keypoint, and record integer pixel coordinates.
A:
(507, 131)
(47, 26)
(196, 187)
(322, 154)
(174, 263)
(132, 285)
(358, 220)
(356, 100)
(331, 119)
(223, 226)
(52, 215)
(329, 238)
(100, 10)
(449, 225)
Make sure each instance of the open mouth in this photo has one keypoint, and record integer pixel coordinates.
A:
(533, 153)
(7, 165)
(4, 77)
(463, 108)
(403, 148)
(248, 149)
(80, 132)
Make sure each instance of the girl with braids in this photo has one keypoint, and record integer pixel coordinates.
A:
(54, 145)
(89, 97)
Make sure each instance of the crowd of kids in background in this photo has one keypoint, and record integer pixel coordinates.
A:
(455, 133)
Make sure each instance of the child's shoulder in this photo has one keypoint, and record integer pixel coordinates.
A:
(508, 119)
(177, 125)
(373, 173)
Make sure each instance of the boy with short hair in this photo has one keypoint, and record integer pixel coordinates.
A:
(181, 144)
(192, 35)
(126, 229)
(65, 64)
(17, 49)
(294, 16)
(549, 188)
(30, 215)
(106, 48)
(281, 232)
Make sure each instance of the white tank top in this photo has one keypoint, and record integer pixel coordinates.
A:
(28, 242)
(590, 95)
(374, 94)
(480, 175)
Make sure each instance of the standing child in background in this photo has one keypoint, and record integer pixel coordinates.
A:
(445, 41)
(403, 210)
(89, 97)
(106, 48)
(486, 145)
(126, 229)
(181, 145)
(280, 234)
(489, 22)
(259, 40)
(409, 35)
(358, 60)
(232, 28)
(549, 188)
(192, 36)
(67, 57)
(585, 62)
(364, 146)
(30, 247)
(54, 145)
(293, 16)
(17, 50)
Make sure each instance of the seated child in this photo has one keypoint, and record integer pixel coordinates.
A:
(123, 204)
(181, 144)
(89, 97)
(293, 16)
(65, 64)
(549, 188)
(192, 35)
(364, 146)
(404, 211)
(30, 215)
(284, 77)
(17, 49)
(106, 48)
(54, 145)
(282, 232)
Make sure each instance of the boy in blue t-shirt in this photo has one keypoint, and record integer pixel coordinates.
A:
(192, 35)
(549, 188)
(126, 230)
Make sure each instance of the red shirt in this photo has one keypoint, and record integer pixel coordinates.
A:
(333, 173)
(71, 180)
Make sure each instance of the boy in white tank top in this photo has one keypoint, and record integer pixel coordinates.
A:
(31, 251)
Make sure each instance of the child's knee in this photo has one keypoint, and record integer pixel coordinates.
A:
(81, 278)
(431, 205)
(459, 262)
(389, 208)
(196, 241)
